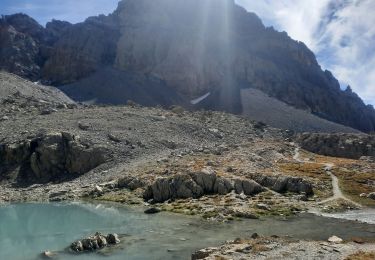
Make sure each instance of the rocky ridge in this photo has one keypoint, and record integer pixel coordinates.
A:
(150, 39)
(352, 146)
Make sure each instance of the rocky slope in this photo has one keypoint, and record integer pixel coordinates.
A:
(131, 153)
(192, 47)
(286, 248)
(12, 85)
(352, 146)
(261, 107)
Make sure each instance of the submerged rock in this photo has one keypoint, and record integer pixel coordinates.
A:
(152, 211)
(113, 239)
(48, 255)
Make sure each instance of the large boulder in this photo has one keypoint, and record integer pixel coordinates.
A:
(223, 186)
(206, 179)
(179, 186)
(95, 242)
(248, 187)
(52, 156)
(282, 184)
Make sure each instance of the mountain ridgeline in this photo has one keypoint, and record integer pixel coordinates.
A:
(174, 51)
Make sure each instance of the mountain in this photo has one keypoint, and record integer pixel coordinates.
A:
(204, 51)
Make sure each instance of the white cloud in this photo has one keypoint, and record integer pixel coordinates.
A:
(340, 32)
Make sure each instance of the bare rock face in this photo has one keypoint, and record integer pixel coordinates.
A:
(25, 45)
(19, 53)
(191, 48)
(51, 157)
(216, 46)
(81, 50)
(352, 146)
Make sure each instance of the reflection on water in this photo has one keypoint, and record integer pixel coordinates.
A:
(28, 229)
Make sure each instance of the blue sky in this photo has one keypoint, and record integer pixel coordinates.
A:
(340, 32)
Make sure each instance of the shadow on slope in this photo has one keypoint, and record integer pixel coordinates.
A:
(260, 107)
(111, 86)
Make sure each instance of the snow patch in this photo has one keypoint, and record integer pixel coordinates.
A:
(200, 99)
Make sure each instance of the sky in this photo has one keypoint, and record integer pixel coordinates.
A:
(340, 32)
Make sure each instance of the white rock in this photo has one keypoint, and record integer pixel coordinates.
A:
(98, 189)
(335, 239)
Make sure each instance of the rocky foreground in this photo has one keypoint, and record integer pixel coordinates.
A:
(286, 248)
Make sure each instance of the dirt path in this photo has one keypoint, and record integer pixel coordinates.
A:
(337, 193)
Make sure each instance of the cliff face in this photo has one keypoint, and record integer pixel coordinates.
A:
(195, 47)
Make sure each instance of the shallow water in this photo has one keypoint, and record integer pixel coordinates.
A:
(363, 215)
(28, 229)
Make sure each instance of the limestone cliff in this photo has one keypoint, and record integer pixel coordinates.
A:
(195, 47)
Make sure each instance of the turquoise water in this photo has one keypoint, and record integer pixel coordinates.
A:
(28, 229)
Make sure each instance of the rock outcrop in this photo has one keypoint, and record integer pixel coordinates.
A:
(282, 184)
(352, 146)
(95, 242)
(25, 45)
(182, 46)
(50, 157)
(206, 182)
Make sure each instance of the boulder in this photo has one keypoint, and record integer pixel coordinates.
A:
(77, 246)
(113, 239)
(183, 186)
(371, 195)
(48, 255)
(61, 153)
(335, 239)
(95, 242)
(52, 156)
(206, 179)
(203, 253)
(159, 191)
(222, 186)
(130, 182)
(282, 184)
(248, 187)
(152, 211)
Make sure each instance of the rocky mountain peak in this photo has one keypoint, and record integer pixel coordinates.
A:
(198, 48)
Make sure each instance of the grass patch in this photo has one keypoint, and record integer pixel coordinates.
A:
(361, 256)
(311, 170)
(353, 183)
